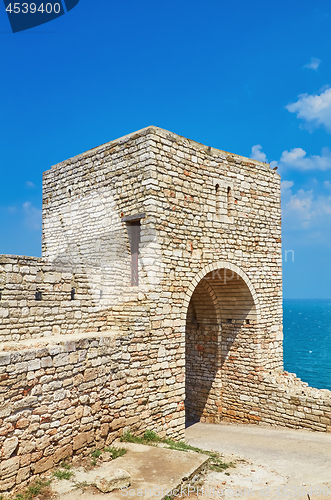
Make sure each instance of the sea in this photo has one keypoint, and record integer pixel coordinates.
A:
(307, 340)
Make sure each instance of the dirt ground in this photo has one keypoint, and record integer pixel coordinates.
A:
(273, 463)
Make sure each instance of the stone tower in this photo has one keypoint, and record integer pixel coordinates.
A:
(158, 299)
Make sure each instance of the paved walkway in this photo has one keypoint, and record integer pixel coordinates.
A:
(276, 457)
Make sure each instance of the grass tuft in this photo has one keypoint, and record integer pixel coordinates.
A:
(32, 491)
(65, 465)
(62, 474)
(115, 452)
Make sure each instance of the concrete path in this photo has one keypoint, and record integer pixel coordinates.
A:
(288, 462)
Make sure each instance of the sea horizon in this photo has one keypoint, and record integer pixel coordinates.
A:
(307, 340)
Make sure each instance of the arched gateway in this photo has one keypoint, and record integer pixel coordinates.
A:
(222, 313)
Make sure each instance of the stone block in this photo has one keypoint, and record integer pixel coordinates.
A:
(43, 465)
(118, 478)
(7, 484)
(63, 453)
(61, 360)
(9, 467)
(22, 475)
(9, 446)
(82, 440)
(4, 359)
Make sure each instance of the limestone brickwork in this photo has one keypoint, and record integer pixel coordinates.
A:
(92, 352)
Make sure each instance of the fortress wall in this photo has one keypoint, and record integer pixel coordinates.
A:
(73, 396)
(23, 317)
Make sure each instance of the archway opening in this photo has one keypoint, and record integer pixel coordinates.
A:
(221, 318)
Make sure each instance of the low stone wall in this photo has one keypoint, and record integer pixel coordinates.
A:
(287, 401)
(275, 398)
(75, 395)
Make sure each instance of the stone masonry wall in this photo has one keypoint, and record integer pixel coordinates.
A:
(57, 312)
(75, 395)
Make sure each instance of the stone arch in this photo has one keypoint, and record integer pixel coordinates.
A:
(221, 313)
(212, 296)
(214, 267)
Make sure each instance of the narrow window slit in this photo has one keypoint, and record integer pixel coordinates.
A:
(38, 295)
(218, 198)
(134, 237)
(229, 201)
(73, 292)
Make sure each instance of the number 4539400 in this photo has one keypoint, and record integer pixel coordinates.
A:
(31, 8)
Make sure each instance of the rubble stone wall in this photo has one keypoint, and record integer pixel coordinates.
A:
(74, 395)
(66, 304)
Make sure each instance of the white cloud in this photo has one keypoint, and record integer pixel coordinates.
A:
(313, 64)
(297, 159)
(29, 184)
(286, 185)
(304, 209)
(257, 153)
(32, 216)
(327, 185)
(315, 110)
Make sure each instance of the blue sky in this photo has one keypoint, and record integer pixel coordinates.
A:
(253, 78)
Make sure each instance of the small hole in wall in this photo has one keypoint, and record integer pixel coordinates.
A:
(69, 193)
(73, 291)
(247, 322)
(100, 294)
(217, 188)
(229, 320)
(38, 296)
(0, 294)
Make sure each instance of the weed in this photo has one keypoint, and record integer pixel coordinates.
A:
(62, 474)
(95, 455)
(181, 446)
(151, 436)
(33, 490)
(130, 438)
(65, 465)
(115, 452)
